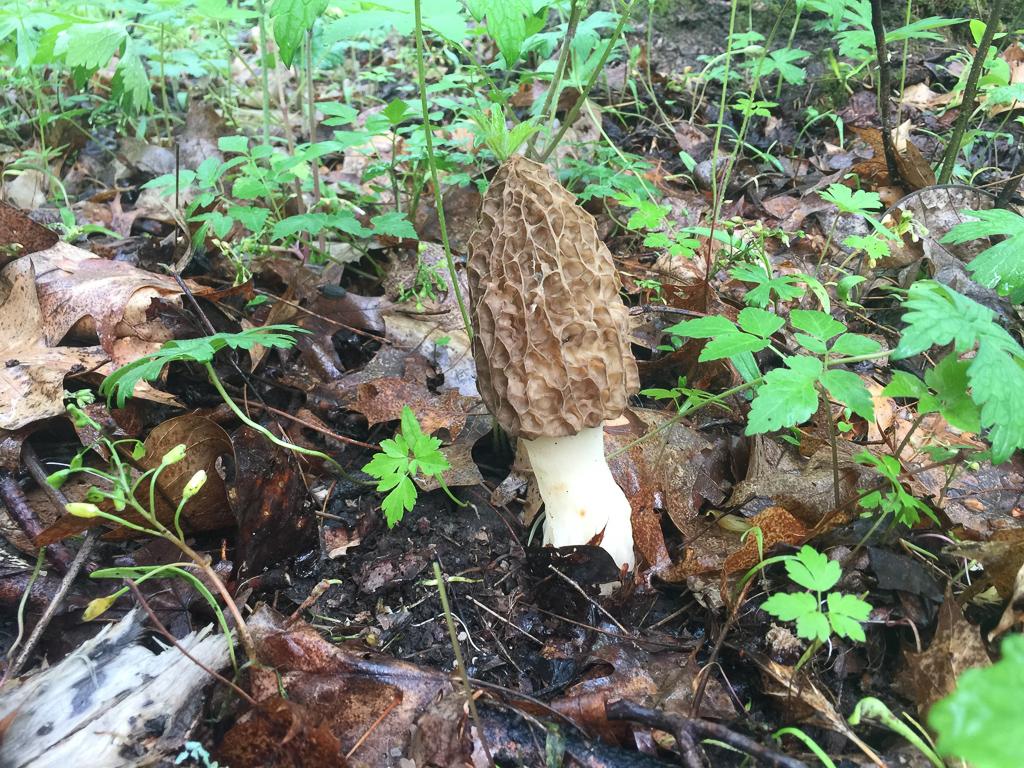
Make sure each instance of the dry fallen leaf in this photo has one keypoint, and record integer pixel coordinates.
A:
(32, 371)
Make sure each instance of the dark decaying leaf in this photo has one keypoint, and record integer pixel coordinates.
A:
(268, 497)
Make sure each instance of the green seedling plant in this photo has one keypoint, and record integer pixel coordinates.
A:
(892, 502)
(129, 500)
(401, 458)
(856, 202)
(120, 385)
(874, 710)
(818, 611)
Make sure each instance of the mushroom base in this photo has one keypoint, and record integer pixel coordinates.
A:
(581, 498)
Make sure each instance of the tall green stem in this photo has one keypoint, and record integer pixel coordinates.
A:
(575, 111)
(421, 73)
(969, 100)
(264, 69)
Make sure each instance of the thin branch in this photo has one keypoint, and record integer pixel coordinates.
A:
(884, 91)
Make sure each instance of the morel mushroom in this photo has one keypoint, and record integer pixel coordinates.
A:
(551, 348)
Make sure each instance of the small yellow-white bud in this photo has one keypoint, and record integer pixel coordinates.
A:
(193, 486)
(173, 456)
(98, 607)
(82, 509)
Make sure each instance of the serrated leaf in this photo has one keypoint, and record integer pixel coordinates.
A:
(818, 324)
(759, 322)
(997, 386)
(848, 200)
(400, 500)
(1002, 265)
(788, 396)
(91, 46)
(845, 614)
(848, 388)
(813, 570)
(393, 224)
(790, 607)
(130, 85)
(811, 344)
(950, 381)
(506, 23)
(980, 721)
(249, 188)
(119, 385)
(292, 19)
(813, 626)
(937, 315)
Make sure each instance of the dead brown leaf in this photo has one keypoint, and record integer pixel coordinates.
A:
(957, 646)
(32, 370)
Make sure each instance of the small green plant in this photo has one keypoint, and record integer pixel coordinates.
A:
(980, 721)
(119, 385)
(125, 494)
(196, 752)
(905, 508)
(401, 458)
(875, 710)
(818, 611)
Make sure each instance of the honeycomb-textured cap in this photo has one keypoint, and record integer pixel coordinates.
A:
(551, 345)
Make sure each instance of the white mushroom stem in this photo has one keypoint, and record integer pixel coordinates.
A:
(581, 498)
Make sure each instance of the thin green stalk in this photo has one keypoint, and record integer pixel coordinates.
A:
(550, 102)
(903, 62)
(570, 118)
(265, 74)
(453, 635)
(716, 201)
(219, 386)
(969, 101)
(421, 74)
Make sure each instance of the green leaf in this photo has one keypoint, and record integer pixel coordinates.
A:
(394, 224)
(790, 607)
(730, 344)
(980, 721)
(310, 223)
(813, 570)
(906, 385)
(848, 388)
(781, 61)
(238, 144)
(759, 322)
(938, 315)
(121, 383)
(810, 343)
(818, 324)
(130, 85)
(292, 19)
(854, 345)
(702, 327)
(400, 500)
(784, 287)
(813, 626)
(851, 201)
(1002, 265)
(249, 188)
(788, 396)
(845, 614)
(91, 46)
(950, 381)
(506, 23)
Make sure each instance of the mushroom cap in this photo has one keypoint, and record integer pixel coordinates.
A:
(551, 332)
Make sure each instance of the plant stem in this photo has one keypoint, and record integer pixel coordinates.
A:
(265, 75)
(219, 386)
(421, 74)
(570, 118)
(969, 100)
(457, 649)
(311, 99)
(884, 89)
(550, 102)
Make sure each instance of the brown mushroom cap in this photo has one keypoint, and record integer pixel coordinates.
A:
(551, 343)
